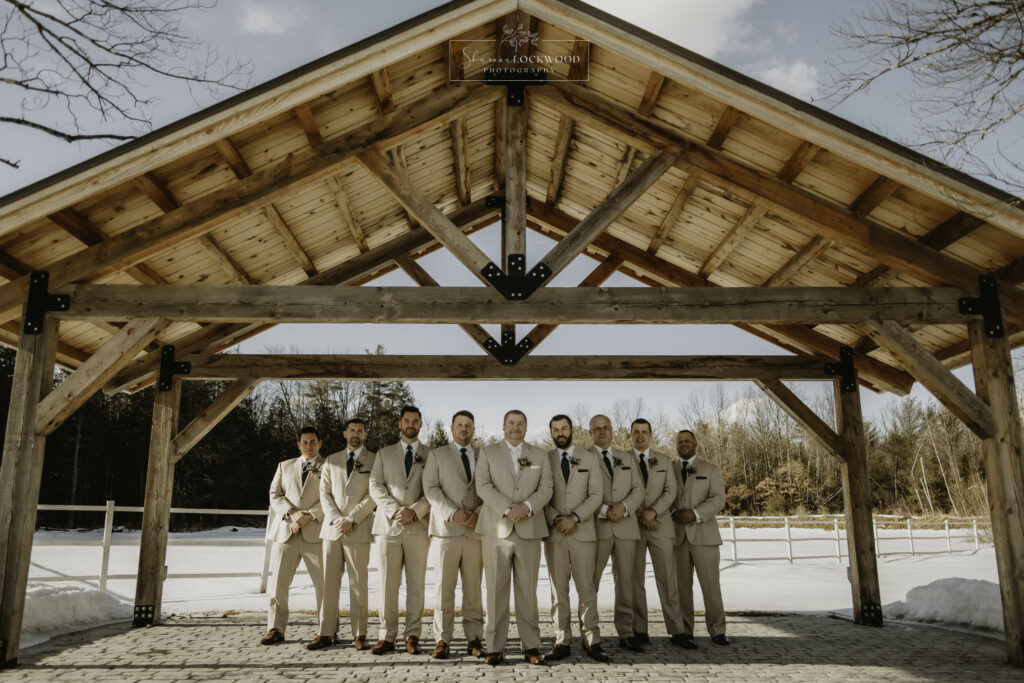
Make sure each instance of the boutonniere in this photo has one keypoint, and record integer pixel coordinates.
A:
(357, 465)
(617, 461)
(574, 461)
(523, 461)
(314, 466)
(652, 461)
(417, 458)
(690, 469)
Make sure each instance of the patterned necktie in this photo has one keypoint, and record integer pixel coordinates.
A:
(465, 463)
(351, 463)
(565, 465)
(643, 468)
(408, 460)
(608, 463)
(305, 471)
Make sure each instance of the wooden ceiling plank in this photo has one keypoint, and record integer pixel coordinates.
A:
(306, 119)
(674, 211)
(348, 217)
(157, 191)
(460, 154)
(724, 126)
(291, 243)
(655, 83)
(226, 262)
(382, 91)
(796, 163)
(84, 231)
(732, 239)
(233, 158)
(876, 193)
(809, 253)
(563, 143)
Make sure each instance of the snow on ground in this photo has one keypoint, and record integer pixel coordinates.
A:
(959, 589)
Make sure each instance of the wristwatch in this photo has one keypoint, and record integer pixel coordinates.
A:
(575, 518)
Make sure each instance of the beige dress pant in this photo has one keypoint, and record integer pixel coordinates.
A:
(663, 560)
(459, 555)
(623, 554)
(285, 560)
(705, 560)
(408, 551)
(503, 559)
(341, 556)
(577, 558)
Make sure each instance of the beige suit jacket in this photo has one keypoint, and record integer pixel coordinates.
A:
(286, 492)
(660, 492)
(447, 490)
(391, 490)
(499, 486)
(625, 487)
(705, 493)
(582, 494)
(344, 496)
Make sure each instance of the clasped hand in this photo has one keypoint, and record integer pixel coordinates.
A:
(405, 516)
(466, 518)
(566, 524)
(518, 512)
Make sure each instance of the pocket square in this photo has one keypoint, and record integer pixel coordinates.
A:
(582, 470)
(364, 472)
(659, 470)
(702, 477)
(624, 468)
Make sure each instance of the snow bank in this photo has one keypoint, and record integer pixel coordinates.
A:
(961, 602)
(51, 608)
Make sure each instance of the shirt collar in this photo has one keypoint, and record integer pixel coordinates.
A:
(357, 451)
(469, 449)
(515, 450)
(689, 463)
(569, 450)
(644, 452)
(415, 445)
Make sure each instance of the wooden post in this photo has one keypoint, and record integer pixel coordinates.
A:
(867, 600)
(157, 511)
(993, 380)
(20, 478)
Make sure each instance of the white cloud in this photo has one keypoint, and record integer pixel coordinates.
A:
(270, 19)
(797, 78)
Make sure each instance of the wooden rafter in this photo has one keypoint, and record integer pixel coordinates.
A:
(651, 92)
(307, 121)
(203, 423)
(563, 143)
(674, 211)
(348, 217)
(724, 126)
(732, 239)
(513, 224)
(382, 91)
(157, 191)
(625, 163)
(796, 163)
(802, 414)
(232, 268)
(460, 156)
(876, 193)
(82, 229)
(291, 242)
(397, 157)
(579, 66)
(500, 127)
(808, 254)
(11, 267)
(233, 158)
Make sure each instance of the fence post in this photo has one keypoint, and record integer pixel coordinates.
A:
(839, 545)
(977, 540)
(874, 525)
(789, 541)
(266, 554)
(949, 544)
(108, 529)
(910, 535)
(732, 529)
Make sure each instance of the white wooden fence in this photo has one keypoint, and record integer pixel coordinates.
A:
(832, 528)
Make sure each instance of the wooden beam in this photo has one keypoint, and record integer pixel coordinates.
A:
(500, 131)
(291, 242)
(455, 62)
(674, 211)
(538, 367)
(193, 433)
(397, 157)
(233, 158)
(77, 388)
(580, 64)
(307, 121)
(860, 538)
(876, 193)
(382, 91)
(796, 163)
(563, 143)
(625, 163)
(1004, 479)
(154, 188)
(724, 126)
(808, 254)
(513, 226)
(655, 82)
(927, 369)
(85, 232)
(732, 239)
(12, 268)
(21, 473)
(460, 157)
(67, 356)
(750, 305)
(227, 263)
(419, 205)
(803, 415)
(156, 514)
(348, 217)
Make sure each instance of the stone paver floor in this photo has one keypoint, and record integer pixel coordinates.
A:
(765, 647)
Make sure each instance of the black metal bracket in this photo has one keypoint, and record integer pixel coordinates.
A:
(169, 368)
(871, 614)
(40, 301)
(515, 81)
(986, 304)
(844, 369)
(508, 352)
(517, 284)
(145, 615)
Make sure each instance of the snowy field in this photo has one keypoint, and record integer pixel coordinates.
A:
(958, 590)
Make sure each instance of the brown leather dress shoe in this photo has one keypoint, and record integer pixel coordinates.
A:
(359, 643)
(533, 656)
(495, 658)
(273, 636)
(596, 652)
(321, 642)
(476, 648)
(441, 650)
(559, 651)
(382, 647)
(412, 645)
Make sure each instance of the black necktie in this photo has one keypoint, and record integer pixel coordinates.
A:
(351, 462)
(305, 471)
(465, 463)
(565, 465)
(607, 463)
(408, 460)
(643, 469)
(685, 470)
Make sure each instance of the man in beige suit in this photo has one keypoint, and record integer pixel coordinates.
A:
(348, 516)
(514, 480)
(617, 530)
(400, 525)
(701, 497)
(450, 487)
(294, 527)
(571, 547)
(657, 536)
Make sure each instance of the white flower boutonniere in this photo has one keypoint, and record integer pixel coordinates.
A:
(523, 461)
(313, 467)
(652, 461)
(574, 461)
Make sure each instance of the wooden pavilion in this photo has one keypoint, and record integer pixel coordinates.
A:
(727, 201)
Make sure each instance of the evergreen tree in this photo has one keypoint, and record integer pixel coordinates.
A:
(438, 436)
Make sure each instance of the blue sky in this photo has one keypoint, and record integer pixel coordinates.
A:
(785, 43)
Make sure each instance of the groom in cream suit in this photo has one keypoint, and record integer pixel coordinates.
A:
(348, 516)
(294, 527)
(701, 497)
(617, 530)
(400, 525)
(514, 480)
(571, 547)
(450, 487)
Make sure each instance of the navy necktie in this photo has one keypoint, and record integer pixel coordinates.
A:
(565, 465)
(465, 463)
(408, 460)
